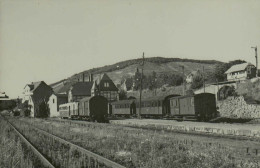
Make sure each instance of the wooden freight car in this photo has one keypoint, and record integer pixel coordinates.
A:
(69, 110)
(200, 107)
(124, 108)
(93, 108)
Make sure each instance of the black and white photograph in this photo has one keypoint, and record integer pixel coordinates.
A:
(129, 84)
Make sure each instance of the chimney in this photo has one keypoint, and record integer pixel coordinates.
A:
(91, 77)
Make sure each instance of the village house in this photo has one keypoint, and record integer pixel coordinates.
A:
(54, 101)
(241, 72)
(34, 94)
(105, 86)
(79, 91)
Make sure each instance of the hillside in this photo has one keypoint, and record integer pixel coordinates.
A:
(122, 69)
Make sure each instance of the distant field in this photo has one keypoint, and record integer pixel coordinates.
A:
(133, 147)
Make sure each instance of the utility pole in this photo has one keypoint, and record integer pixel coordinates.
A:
(141, 87)
(217, 91)
(256, 59)
(203, 80)
(183, 80)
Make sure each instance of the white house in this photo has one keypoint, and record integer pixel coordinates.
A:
(54, 101)
(241, 72)
(35, 94)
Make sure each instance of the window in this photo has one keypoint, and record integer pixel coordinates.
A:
(249, 70)
(53, 101)
(106, 84)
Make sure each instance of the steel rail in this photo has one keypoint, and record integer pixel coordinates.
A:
(98, 158)
(45, 161)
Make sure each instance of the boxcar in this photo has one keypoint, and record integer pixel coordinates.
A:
(201, 107)
(124, 108)
(68, 110)
(94, 108)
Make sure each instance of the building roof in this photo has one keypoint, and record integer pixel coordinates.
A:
(61, 95)
(3, 95)
(238, 67)
(100, 83)
(63, 88)
(82, 88)
(33, 86)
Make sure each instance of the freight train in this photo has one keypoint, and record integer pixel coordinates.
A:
(90, 108)
(201, 107)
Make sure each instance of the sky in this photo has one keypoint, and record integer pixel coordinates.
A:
(51, 40)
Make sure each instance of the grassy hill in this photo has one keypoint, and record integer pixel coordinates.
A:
(122, 69)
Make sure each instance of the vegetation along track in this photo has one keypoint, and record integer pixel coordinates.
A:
(44, 161)
(167, 128)
(59, 151)
(252, 149)
(136, 147)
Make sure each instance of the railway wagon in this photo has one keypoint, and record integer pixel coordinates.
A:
(69, 110)
(157, 106)
(200, 107)
(125, 108)
(94, 108)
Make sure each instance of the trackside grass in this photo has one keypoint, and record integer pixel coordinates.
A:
(133, 147)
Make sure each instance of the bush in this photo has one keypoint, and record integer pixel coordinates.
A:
(226, 91)
(44, 110)
(16, 113)
(197, 81)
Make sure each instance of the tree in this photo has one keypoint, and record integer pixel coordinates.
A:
(197, 81)
(226, 91)
(44, 110)
(122, 94)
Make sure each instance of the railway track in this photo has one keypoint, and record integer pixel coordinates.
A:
(46, 163)
(99, 161)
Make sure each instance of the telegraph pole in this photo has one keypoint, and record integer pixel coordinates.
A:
(141, 87)
(203, 80)
(256, 60)
(183, 76)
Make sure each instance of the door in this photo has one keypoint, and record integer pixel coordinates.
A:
(183, 106)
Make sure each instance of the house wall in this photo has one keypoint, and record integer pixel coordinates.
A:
(53, 106)
(241, 75)
(42, 93)
(189, 79)
(110, 95)
(31, 106)
(26, 94)
(70, 98)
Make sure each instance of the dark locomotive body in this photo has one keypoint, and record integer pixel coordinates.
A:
(91, 108)
(200, 107)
